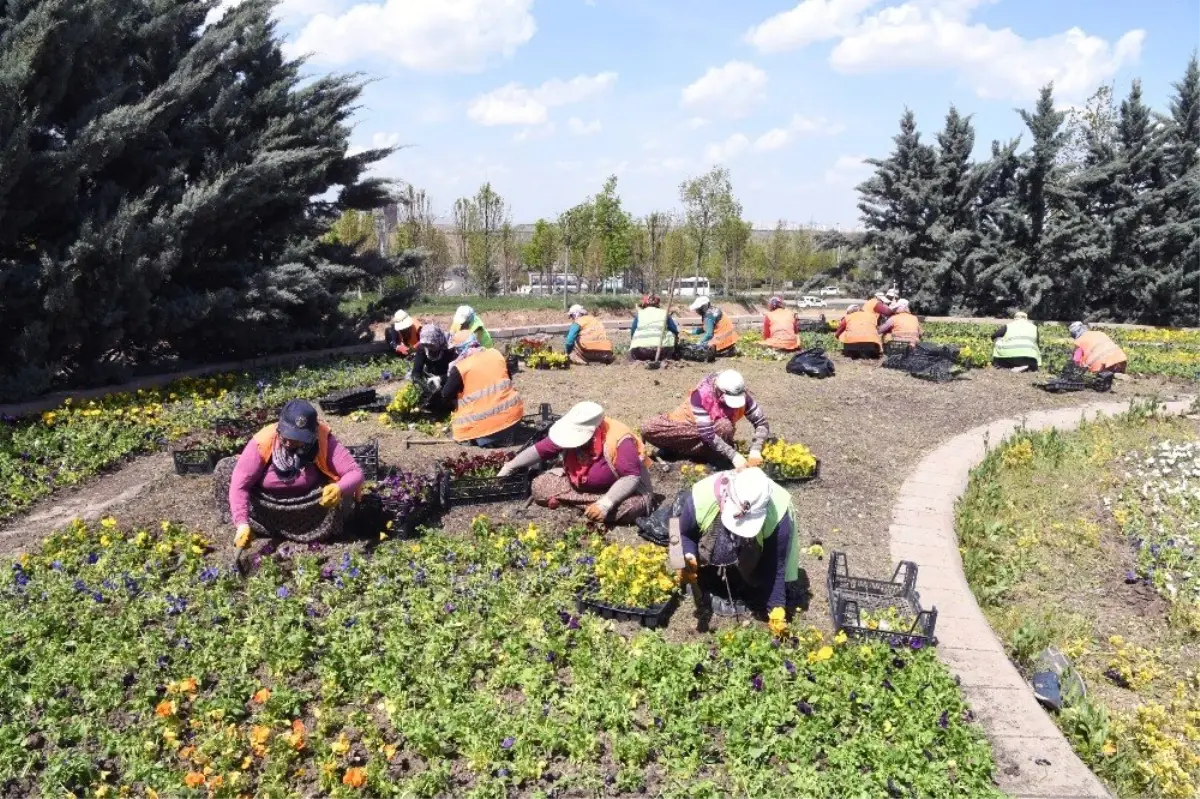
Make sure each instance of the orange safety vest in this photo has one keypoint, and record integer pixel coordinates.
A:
(592, 335)
(870, 305)
(724, 336)
(1099, 351)
(412, 336)
(614, 433)
(906, 328)
(265, 440)
(488, 403)
(782, 326)
(861, 328)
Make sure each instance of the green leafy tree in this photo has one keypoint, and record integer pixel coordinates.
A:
(612, 230)
(157, 185)
(779, 254)
(731, 235)
(543, 249)
(658, 225)
(706, 201)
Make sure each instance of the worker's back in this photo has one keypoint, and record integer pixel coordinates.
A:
(651, 329)
(862, 328)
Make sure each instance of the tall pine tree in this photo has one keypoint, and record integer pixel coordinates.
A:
(955, 228)
(156, 185)
(898, 208)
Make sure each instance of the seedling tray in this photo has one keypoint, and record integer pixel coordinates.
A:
(651, 618)
(772, 471)
(850, 596)
(697, 354)
(367, 457)
(195, 461)
(458, 491)
(351, 399)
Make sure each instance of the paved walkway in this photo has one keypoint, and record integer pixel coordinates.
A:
(1033, 759)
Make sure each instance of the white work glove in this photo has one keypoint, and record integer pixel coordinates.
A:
(505, 470)
(436, 382)
(739, 461)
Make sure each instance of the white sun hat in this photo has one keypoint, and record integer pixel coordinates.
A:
(700, 302)
(577, 426)
(576, 310)
(463, 313)
(744, 499)
(732, 386)
(901, 305)
(893, 293)
(401, 320)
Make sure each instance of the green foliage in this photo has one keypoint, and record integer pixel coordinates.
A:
(158, 191)
(444, 666)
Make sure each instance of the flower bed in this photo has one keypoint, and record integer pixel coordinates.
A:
(548, 360)
(75, 441)
(1113, 506)
(439, 667)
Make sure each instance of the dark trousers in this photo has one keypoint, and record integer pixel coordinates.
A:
(647, 353)
(864, 350)
(1013, 363)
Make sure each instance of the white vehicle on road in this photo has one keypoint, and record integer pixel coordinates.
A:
(809, 301)
(830, 291)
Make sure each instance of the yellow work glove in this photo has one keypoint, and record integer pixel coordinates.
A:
(755, 459)
(689, 573)
(243, 536)
(596, 512)
(331, 496)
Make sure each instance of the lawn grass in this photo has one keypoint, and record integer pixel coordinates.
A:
(1046, 533)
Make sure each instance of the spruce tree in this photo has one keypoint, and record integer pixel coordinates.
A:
(955, 230)
(990, 271)
(898, 208)
(156, 185)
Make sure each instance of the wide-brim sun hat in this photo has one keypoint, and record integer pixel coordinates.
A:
(577, 426)
(746, 495)
(700, 302)
(463, 313)
(401, 320)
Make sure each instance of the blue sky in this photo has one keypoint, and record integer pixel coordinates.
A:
(546, 98)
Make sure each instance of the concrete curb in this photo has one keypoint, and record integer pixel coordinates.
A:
(1033, 759)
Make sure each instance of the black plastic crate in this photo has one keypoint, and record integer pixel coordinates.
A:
(350, 399)
(697, 353)
(367, 457)
(772, 471)
(651, 618)
(819, 325)
(195, 461)
(458, 491)
(850, 597)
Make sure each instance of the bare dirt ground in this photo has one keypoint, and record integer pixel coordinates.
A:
(868, 425)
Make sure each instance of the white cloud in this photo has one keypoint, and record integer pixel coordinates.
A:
(730, 148)
(848, 170)
(459, 36)
(799, 126)
(385, 140)
(513, 104)
(997, 64)
(695, 123)
(581, 128)
(810, 21)
(534, 133)
(730, 90)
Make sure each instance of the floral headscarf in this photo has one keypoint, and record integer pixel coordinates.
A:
(651, 301)
(774, 303)
(434, 338)
(468, 348)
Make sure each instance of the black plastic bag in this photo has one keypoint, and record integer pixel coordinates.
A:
(697, 353)
(811, 362)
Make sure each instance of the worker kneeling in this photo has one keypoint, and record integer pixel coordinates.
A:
(404, 334)
(902, 326)
(859, 335)
(651, 330)
(1095, 351)
(702, 426)
(487, 402)
(781, 326)
(717, 329)
(466, 323)
(587, 340)
(604, 466)
(742, 520)
(1017, 345)
(293, 480)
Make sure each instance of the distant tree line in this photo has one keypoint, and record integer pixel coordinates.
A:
(157, 185)
(1097, 218)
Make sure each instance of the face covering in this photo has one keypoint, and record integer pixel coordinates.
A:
(289, 463)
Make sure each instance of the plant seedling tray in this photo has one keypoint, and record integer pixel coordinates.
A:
(650, 618)
(367, 457)
(351, 399)
(772, 471)
(697, 354)
(195, 461)
(850, 596)
(456, 491)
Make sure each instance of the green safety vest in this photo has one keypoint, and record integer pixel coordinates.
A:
(708, 509)
(651, 322)
(1019, 341)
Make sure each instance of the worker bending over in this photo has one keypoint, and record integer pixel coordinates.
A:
(587, 340)
(781, 326)
(487, 403)
(1095, 351)
(651, 327)
(717, 329)
(702, 427)
(403, 334)
(902, 326)
(604, 466)
(859, 333)
(1017, 345)
(467, 323)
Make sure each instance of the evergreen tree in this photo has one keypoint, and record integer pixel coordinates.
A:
(955, 227)
(156, 185)
(898, 208)
(989, 273)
